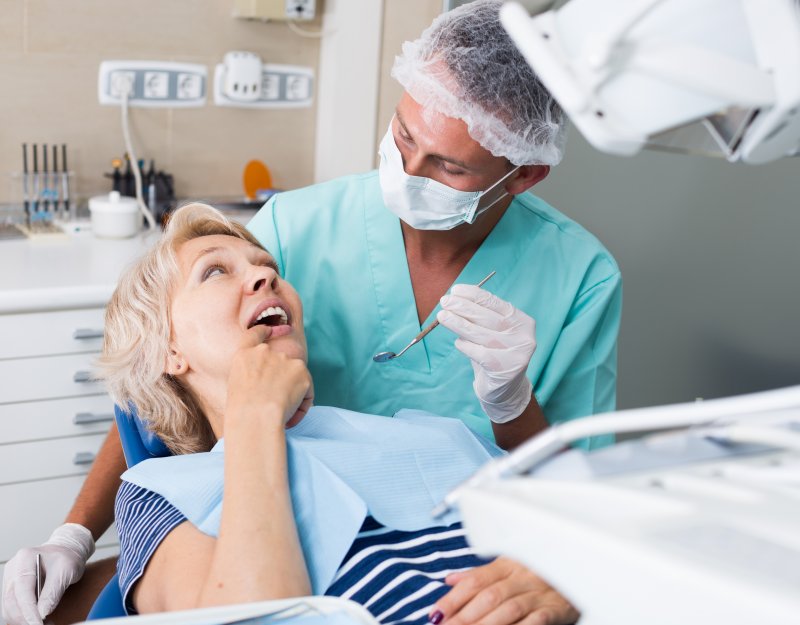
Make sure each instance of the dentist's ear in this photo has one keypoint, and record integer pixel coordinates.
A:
(176, 364)
(526, 177)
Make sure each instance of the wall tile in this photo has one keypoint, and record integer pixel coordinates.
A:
(50, 92)
(12, 22)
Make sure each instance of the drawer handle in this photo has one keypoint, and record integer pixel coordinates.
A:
(87, 333)
(83, 376)
(83, 457)
(84, 418)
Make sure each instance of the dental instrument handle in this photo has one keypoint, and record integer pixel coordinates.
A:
(35, 178)
(427, 330)
(55, 177)
(25, 193)
(45, 179)
(65, 179)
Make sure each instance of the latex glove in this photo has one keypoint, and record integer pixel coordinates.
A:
(62, 563)
(501, 592)
(500, 341)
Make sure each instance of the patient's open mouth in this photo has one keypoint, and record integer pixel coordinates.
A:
(272, 316)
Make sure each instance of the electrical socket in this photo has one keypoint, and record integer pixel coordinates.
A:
(279, 10)
(152, 83)
(121, 83)
(282, 86)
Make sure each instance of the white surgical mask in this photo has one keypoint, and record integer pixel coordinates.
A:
(425, 204)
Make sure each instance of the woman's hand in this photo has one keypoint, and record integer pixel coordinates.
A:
(499, 593)
(261, 376)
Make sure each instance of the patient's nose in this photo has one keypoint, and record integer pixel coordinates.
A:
(264, 277)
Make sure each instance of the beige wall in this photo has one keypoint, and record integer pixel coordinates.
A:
(50, 51)
(402, 20)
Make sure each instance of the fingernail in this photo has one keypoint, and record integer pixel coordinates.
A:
(436, 617)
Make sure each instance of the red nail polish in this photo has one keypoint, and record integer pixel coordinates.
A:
(436, 617)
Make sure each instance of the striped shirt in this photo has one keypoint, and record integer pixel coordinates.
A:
(396, 575)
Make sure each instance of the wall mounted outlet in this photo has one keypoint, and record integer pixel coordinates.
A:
(275, 9)
(282, 86)
(152, 83)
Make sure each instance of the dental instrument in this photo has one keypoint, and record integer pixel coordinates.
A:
(45, 181)
(25, 193)
(65, 180)
(35, 180)
(387, 356)
(38, 575)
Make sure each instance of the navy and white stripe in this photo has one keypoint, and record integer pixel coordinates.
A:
(143, 520)
(396, 575)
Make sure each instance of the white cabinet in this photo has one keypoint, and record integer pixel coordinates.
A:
(53, 415)
(53, 419)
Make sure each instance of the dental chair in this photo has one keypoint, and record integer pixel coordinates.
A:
(137, 444)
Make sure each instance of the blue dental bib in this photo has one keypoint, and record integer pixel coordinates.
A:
(343, 466)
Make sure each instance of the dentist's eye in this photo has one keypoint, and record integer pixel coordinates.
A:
(449, 171)
(213, 270)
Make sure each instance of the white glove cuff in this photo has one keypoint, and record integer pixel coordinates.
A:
(512, 407)
(74, 537)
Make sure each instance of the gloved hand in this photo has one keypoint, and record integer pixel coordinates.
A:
(500, 341)
(62, 562)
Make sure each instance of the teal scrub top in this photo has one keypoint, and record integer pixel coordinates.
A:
(342, 249)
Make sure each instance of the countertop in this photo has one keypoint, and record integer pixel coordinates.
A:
(68, 271)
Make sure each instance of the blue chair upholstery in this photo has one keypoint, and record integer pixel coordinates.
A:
(137, 444)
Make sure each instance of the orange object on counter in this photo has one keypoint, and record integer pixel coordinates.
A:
(256, 177)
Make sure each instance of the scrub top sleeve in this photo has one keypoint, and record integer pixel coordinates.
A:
(264, 227)
(582, 379)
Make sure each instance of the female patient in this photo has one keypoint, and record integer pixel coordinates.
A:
(206, 340)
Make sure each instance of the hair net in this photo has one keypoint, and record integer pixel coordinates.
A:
(464, 65)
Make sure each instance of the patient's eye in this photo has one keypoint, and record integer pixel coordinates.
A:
(213, 270)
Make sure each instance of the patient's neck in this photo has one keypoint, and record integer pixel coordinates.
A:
(212, 397)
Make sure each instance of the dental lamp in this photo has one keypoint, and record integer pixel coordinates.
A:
(698, 523)
(712, 77)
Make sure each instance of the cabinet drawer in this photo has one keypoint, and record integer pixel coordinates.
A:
(40, 460)
(53, 377)
(54, 418)
(43, 333)
(32, 511)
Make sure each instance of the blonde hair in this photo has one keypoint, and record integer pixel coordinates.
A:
(137, 334)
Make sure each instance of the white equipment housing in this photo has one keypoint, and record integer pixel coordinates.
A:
(694, 527)
(715, 77)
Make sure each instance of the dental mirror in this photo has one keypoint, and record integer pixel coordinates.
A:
(387, 356)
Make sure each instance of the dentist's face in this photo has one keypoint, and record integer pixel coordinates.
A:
(226, 286)
(439, 147)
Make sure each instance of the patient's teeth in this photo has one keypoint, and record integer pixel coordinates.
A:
(273, 310)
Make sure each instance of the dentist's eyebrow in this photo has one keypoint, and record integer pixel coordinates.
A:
(441, 157)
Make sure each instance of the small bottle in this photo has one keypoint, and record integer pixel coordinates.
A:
(151, 188)
(116, 176)
(128, 183)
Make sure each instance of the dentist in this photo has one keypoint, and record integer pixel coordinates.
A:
(378, 255)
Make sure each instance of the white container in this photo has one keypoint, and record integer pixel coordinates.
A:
(115, 216)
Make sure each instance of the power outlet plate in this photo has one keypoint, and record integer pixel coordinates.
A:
(278, 10)
(282, 86)
(152, 83)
